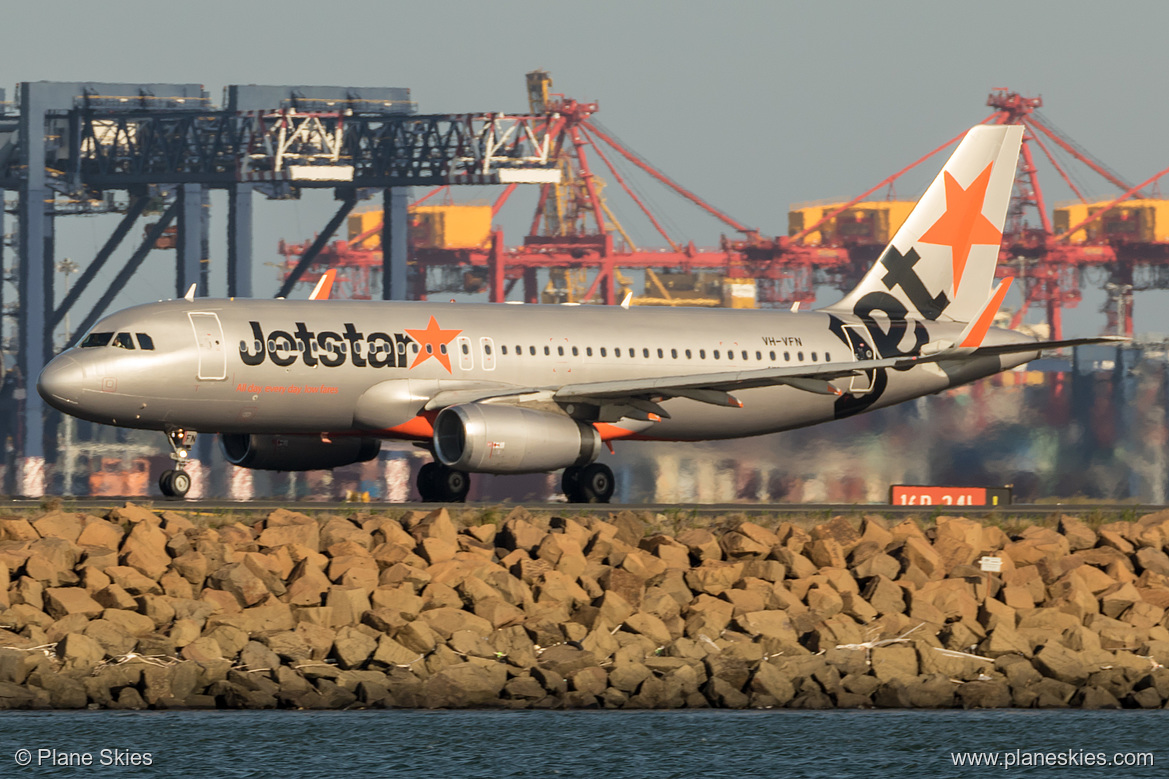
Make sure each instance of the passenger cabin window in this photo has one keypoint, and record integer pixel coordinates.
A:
(660, 354)
(145, 341)
(645, 353)
(560, 350)
(532, 350)
(575, 352)
(487, 345)
(715, 354)
(617, 352)
(771, 355)
(466, 359)
(123, 341)
(588, 351)
(603, 351)
(96, 339)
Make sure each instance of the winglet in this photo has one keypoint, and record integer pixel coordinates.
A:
(975, 332)
(324, 286)
(190, 296)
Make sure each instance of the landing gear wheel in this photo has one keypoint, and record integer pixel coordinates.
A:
(174, 484)
(180, 482)
(428, 482)
(596, 483)
(570, 485)
(453, 485)
(439, 484)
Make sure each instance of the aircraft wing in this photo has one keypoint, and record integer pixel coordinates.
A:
(803, 376)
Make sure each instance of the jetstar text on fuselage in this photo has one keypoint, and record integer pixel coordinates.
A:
(330, 348)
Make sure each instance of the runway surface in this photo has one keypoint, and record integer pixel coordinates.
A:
(95, 505)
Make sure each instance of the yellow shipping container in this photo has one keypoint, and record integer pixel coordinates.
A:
(1071, 214)
(800, 218)
(1141, 221)
(449, 226)
(871, 222)
(363, 221)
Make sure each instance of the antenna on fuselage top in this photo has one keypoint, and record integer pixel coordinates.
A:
(190, 296)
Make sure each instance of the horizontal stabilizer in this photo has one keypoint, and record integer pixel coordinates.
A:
(1046, 346)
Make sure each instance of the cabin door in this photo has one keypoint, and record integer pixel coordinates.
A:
(209, 340)
(861, 350)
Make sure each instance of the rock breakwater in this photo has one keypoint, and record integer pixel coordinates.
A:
(144, 609)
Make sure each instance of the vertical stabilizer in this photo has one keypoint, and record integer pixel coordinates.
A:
(940, 265)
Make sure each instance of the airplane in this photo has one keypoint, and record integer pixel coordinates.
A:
(502, 389)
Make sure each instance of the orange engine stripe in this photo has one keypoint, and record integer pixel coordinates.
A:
(420, 427)
(611, 432)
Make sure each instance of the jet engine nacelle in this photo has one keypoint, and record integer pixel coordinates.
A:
(295, 452)
(485, 438)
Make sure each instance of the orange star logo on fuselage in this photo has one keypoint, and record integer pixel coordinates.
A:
(432, 342)
(963, 224)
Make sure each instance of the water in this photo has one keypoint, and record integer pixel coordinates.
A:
(709, 744)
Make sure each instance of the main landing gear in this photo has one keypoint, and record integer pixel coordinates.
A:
(175, 483)
(438, 483)
(590, 484)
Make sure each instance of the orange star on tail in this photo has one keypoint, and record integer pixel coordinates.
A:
(432, 342)
(963, 224)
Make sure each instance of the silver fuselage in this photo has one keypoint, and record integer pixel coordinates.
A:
(337, 367)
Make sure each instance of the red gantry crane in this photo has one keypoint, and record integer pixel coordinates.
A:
(578, 238)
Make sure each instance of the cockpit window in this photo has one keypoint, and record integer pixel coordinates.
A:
(123, 341)
(96, 339)
(145, 341)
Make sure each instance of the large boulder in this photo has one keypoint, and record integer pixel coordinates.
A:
(463, 686)
(63, 601)
(1058, 662)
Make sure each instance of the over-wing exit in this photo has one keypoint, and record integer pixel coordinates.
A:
(303, 385)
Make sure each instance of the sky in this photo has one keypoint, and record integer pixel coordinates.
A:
(753, 105)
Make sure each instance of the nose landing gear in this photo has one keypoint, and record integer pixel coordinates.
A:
(176, 483)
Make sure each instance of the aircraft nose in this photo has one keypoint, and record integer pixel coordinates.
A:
(60, 383)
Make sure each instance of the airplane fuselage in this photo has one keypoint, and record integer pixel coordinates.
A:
(353, 367)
